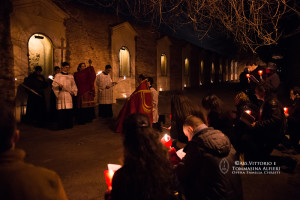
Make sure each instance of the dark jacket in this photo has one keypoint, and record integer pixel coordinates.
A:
(20, 180)
(270, 126)
(200, 172)
(294, 117)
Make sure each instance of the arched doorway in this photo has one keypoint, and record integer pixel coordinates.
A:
(40, 52)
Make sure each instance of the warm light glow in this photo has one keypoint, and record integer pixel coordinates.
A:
(200, 83)
(124, 95)
(124, 78)
(260, 72)
(248, 75)
(166, 140)
(108, 178)
(124, 57)
(186, 66)
(248, 112)
(99, 72)
(50, 77)
(16, 79)
(163, 64)
(160, 89)
(184, 85)
(286, 110)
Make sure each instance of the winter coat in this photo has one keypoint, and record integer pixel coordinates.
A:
(200, 172)
(269, 129)
(22, 181)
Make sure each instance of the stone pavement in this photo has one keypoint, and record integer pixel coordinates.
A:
(81, 155)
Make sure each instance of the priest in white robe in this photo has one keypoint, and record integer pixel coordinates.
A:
(64, 88)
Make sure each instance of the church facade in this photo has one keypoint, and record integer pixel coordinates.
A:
(45, 33)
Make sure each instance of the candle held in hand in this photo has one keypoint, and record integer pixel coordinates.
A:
(166, 140)
(248, 112)
(108, 178)
(286, 110)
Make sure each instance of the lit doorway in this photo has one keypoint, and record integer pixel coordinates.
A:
(40, 50)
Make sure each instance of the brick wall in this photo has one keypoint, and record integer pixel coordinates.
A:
(6, 52)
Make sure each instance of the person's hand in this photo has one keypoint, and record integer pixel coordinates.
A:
(174, 159)
(253, 124)
(107, 195)
(286, 114)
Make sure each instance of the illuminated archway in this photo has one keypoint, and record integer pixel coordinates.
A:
(124, 57)
(40, 52)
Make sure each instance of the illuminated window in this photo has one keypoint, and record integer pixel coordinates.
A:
(227, 74)
(163, 64)
(231, 71)
(201, 72)
(186, 66)
(40, 50)
(221, 73)
(212, 72)
(124, 57)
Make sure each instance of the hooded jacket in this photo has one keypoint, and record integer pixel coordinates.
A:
(206, 170)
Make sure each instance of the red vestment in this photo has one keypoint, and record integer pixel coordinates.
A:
(86, 90)
(140, 101)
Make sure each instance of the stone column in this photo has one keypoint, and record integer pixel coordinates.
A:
(6, 52)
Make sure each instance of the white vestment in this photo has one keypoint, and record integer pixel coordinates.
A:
(105, 96)
(63, 96)
(154, 95)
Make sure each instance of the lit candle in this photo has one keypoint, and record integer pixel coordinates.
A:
(160, 89)
(124, 95)
(124, 78)
(166, 140)
(184, 85)
(16, 79)
(108, 178)
(260, 72)
(248, 112)
(248, 76)
(286, 110)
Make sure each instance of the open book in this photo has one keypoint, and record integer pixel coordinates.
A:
(247, 119)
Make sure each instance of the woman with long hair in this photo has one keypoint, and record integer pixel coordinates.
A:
(146, 173)
(181, 107)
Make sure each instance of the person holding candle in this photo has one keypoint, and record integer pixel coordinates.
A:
(268, 130)
(21, 180)
(202, 172)
(146, 173)
(105, 93)
(272, 80)
(293, 117)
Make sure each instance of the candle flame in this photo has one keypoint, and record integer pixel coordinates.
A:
(160, 89)
(260, 72)
(124, 95)
(167, 137)
(248, 112)
(285, 109)
(111, 173)
(184, 85)
(50, 77)
(124, 77)
(248, 75)
(16, 79)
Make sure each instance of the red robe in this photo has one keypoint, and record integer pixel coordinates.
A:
(140, 101)
(86, 90)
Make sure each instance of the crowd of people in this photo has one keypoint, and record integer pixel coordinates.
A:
(212, 136)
